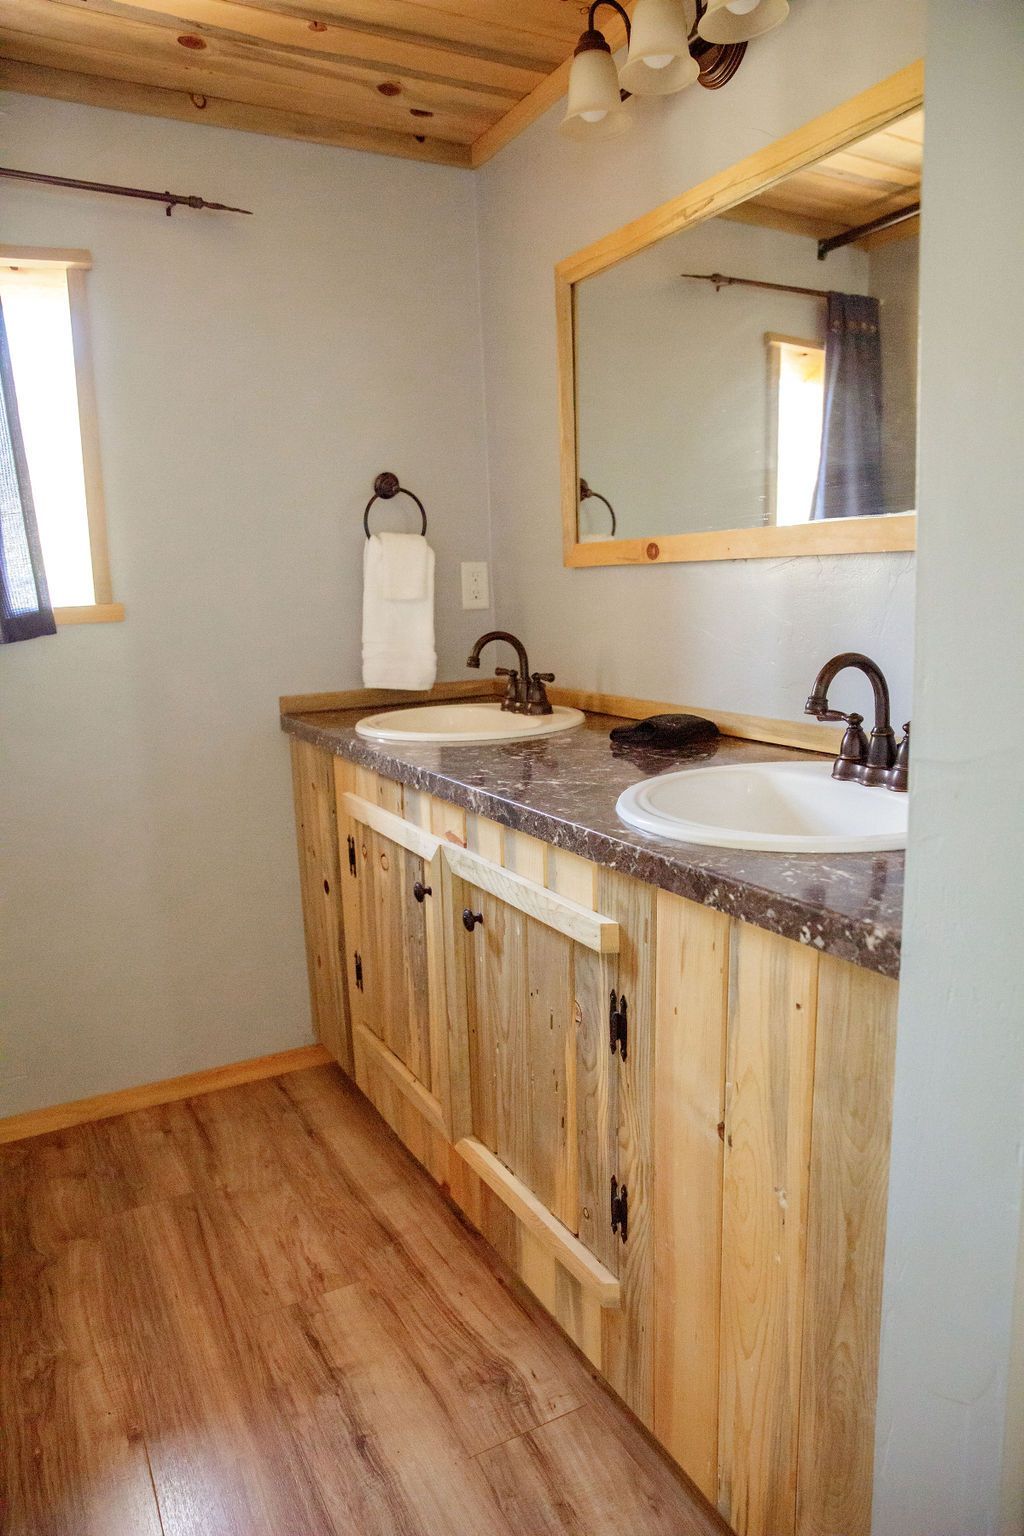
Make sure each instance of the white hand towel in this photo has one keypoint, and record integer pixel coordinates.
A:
(398, 630)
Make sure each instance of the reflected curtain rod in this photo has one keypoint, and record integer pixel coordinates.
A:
(171, 199)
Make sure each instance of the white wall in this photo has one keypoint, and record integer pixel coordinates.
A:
(748, 635)
(253, 376)
(955, 1189)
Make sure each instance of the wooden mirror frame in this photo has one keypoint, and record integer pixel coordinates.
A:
(884, 103)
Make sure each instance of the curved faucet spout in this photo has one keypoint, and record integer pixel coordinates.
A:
(863, 761)
(817, 703)
(515, 697)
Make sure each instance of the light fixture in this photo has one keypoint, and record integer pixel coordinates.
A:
(671, 43)
(737, 21)
(594, 109)
(659, 59)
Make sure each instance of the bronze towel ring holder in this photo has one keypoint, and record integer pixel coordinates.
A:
(385, 486)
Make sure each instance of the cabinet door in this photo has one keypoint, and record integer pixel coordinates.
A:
(531, 976)
(392, 899)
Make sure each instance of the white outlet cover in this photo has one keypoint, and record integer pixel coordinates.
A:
(475, 584)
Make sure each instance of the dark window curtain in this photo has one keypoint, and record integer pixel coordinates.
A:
(850, 468)
(25, 610)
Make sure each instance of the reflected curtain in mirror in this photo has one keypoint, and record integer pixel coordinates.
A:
(25, 611)
(850, 469)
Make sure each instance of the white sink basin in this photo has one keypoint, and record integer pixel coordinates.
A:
(786, 807)
(465, 722)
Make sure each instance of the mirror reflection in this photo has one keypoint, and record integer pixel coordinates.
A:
(730, 376)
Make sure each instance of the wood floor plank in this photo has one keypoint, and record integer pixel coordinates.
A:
(591, 1474)
(253, 1315)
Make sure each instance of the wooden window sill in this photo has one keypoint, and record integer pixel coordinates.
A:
(91, 613)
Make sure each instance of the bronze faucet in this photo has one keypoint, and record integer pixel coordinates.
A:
(878, 761)
(525, 693)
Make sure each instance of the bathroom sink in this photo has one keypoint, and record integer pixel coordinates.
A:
(788, 807)
(465, 722)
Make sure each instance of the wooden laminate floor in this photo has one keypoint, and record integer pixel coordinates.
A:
(251, 1314)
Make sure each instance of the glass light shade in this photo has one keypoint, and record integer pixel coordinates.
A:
(594, 108)
(659, 61)
(737, 21)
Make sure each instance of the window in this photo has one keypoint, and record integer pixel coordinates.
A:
(43, 295)
(796, 371)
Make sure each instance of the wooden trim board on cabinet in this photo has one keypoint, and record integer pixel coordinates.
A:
(538, 1220)
(568, 917)
(405, 833)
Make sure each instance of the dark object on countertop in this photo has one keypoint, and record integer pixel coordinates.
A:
(669, 733)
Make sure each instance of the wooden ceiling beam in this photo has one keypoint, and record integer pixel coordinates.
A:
(155, 101)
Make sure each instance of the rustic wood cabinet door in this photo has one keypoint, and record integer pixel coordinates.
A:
(392, 894)
(530, 983)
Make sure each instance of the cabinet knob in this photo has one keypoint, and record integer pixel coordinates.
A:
(420, 891)
(470, 919)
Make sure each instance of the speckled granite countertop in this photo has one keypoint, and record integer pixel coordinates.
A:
(563, 789)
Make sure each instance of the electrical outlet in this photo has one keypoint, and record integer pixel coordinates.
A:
(475, 584)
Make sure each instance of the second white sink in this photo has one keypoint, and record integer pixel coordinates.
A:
(465, 722)
(788, 807)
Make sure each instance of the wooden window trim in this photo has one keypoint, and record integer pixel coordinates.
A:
(75, 263)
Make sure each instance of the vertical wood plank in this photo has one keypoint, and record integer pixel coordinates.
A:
(689, 1083)
(320, 882)
(549, 1068)
(628, 1335)
(526, 855)
(571, 876)
(596, 1101)
(487, 838)
(448, 821)
(856, 1036)
(769, 1088)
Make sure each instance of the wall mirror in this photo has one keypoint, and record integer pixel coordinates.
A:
(738, 369)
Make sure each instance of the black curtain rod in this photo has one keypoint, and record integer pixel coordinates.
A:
(887, 221)
(171, 199)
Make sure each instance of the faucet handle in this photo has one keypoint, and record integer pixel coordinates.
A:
(536, 699)
(510, 703)
(898, 776)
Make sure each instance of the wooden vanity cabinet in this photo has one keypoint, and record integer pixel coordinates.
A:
(747, 1117)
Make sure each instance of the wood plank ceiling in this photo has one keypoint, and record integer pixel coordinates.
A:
(878, 175)
(441, 80)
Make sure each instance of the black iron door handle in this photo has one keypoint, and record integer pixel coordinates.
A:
(420, 891)
(470, 919)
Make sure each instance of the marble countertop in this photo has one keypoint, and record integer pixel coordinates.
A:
(563, 789)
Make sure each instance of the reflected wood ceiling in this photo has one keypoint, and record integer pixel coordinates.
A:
(441, 80)
(878, 175)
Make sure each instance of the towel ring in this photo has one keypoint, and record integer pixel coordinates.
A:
(585, 495)
(385, 486)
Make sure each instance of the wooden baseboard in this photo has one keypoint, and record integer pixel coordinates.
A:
(368, 698)
(808, 735)
(58, 1117)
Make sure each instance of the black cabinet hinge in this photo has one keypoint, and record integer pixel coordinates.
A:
(351, 855)
(359, 970)
(618, 1024)
(620, 1208)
